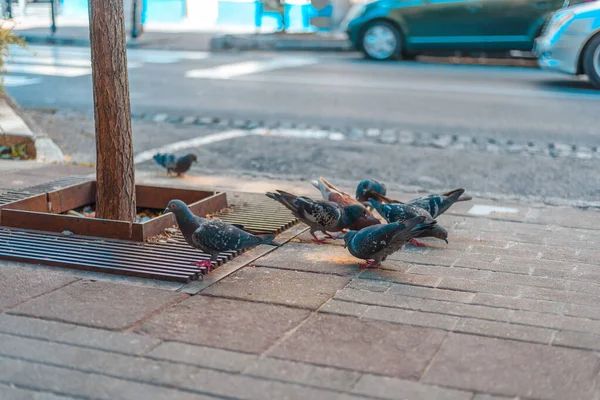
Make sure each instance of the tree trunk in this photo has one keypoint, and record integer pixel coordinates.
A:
(114, 147)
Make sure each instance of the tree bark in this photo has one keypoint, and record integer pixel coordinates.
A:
(114, 148)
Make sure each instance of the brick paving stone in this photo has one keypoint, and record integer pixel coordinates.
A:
(369, 284)
(31, 327)
(128, 343)
(427, 259)
(202, 356)
(558, 295)
(466, 273)
(579, 340)
(18, 180)
(496, 300)
(584, 311)
(99, 304)
(391, 388)
(515, 252)
(504, 330)
(467, 285)
(496, 265)
(312, 258)
(511, 368)
(527, 280)
(292, 288)
(224, 323)
(167, 374)
(306, 374)
(19, 283)
(483, 396)
(431, 293)
(80, 384)
(400, 277)
(537, 319)
(427, 305)
(13, 393)
(344, 308)
(368, 346)
(410, 317)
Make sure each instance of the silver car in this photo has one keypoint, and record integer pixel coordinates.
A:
(570, 43)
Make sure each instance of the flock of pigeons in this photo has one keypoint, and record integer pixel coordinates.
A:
(365, 237)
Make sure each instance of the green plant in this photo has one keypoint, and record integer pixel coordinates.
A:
(7, 39)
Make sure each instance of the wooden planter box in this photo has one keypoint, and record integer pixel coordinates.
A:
(43, 212)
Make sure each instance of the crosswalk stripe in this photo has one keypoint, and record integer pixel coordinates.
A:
(18, 80)
(229, 71)
(59, 61)
(48, 70)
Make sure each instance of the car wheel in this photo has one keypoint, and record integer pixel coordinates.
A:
(591, 61)
(381, 41)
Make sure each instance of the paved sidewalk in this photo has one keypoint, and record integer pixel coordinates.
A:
(509, 308)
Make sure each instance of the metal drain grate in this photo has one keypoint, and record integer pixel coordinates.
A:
(170, 261)
(20, 194)
(258, 213)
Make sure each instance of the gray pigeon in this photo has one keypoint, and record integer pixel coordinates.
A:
(213, 236)
(435, 204)
(173, 164)
(398, 212)
(375, 243)
(320, 215)
(364, 189)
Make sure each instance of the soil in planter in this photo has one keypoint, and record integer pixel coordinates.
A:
(89, 211)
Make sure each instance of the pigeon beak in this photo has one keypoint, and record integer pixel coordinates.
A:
(446, 240)
(166, 210)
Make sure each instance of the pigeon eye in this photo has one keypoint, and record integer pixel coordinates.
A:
(172, 205)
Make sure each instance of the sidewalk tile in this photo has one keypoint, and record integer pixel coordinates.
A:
(344, 308)
(306, 374)
(270, 285)
(99, 304)
(579, 340)
(127, 343)
(202, 356)
(312, 258)
(19, 283)
(224, 323)
(80, 384)
(391, 388)
(13, 393)
(513, 368)
(410, 317)
(32, 327)
(368, 346)
(400, 277)
(504, 330)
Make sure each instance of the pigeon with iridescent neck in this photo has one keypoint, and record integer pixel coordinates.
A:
(335, 195)
(320, 215)
(211, 235)
(375, 243)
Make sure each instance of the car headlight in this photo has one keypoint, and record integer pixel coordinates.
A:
(558, 22)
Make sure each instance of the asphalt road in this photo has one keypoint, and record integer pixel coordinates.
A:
(341, 90)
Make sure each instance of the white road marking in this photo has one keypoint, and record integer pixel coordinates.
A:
(187, 144)
(18, 80)
(481, 209)
(229, 71)
(48, 70)
(60, 61)
(419, 87)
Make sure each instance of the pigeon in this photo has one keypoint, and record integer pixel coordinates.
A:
(397, 212)
(369, 185)
(173, 164)
(375, 243)
(211, 235)
(320, 215)
(435, 204)
(334, 195)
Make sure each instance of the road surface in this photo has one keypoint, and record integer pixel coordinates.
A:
(520, 104)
